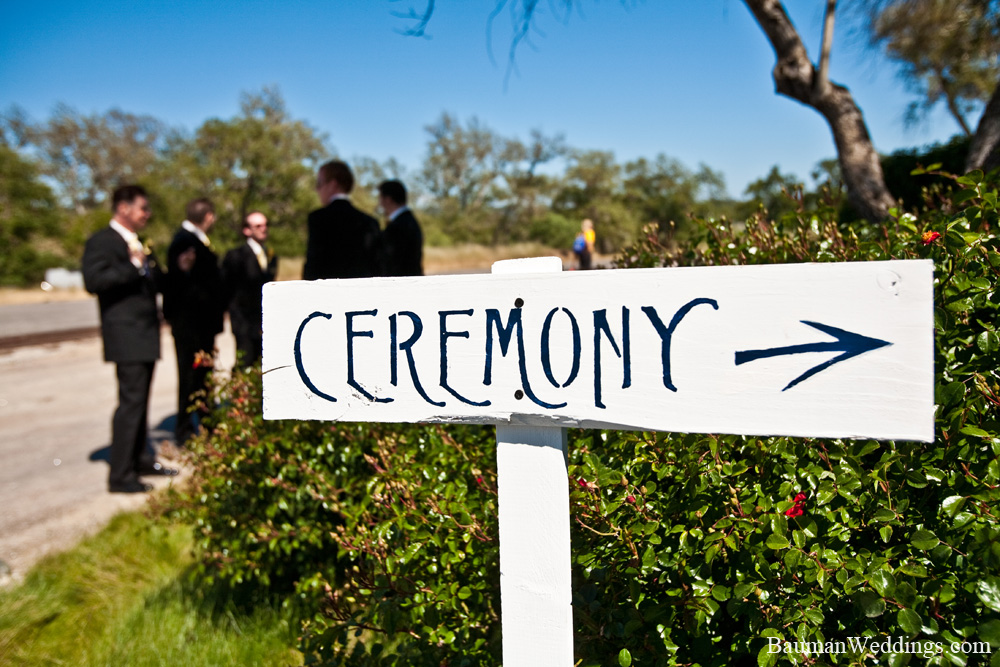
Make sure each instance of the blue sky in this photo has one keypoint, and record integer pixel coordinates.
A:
(687, 78)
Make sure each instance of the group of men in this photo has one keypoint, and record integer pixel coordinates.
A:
(197, 291)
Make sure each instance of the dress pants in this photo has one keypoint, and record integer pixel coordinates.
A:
(190, 380)
(129, 426)
(248, 344)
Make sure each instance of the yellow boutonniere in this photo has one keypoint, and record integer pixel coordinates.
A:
(270, 254)
(147, 248)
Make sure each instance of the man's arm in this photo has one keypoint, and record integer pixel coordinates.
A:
(309, 268)
(233, 273)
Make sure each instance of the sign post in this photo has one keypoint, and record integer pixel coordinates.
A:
(536, 595)
(814, 350)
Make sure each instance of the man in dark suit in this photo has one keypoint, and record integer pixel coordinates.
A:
(402, 242)
(245, 270)
(342, 240)
(124, 276)
(194, 304)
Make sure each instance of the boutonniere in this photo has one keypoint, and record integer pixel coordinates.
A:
(147, 248)
(270, 254)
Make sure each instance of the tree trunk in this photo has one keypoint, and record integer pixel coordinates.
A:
(983, 153)
(797, 78)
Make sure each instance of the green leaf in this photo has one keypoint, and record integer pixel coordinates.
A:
(952, 394)
(899, 659)
(885, 532)
(952, 505)
(976, 432)
(765, 658)
(720, 592)
(924, 540)
(990, 632)
(988, 590)
(913, 569)
(883, 582)
(624, 658)
(870, 603)
(906, 594)
(776, 542)
(910, 621)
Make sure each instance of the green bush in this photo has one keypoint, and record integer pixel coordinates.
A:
(687, 549)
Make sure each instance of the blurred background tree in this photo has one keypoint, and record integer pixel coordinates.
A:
(29, 222)
(948, 51)
(262, 159)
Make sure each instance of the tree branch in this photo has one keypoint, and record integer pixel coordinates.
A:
(796, 77)
(823, 82)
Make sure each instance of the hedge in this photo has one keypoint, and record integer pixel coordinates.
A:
(688, 549)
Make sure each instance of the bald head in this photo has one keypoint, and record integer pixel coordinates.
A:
(255, 227)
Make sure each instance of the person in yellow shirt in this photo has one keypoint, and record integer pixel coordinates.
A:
(583, 246)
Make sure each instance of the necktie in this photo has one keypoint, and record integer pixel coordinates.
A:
(135, 247)
(261, 257)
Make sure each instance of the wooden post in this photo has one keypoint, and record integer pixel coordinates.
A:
(535, 584)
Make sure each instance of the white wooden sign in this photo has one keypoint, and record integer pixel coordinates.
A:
(810, 350)
(821, 350)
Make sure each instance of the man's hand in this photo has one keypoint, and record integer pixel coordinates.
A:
(136, 255)
(185, 260)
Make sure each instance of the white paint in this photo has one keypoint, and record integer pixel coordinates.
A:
(884, 393)
(535, 585)
(533, 501)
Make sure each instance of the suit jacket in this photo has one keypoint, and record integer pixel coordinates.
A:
(402, 247)
(194, 302)
(130, 320)
(244, 281)
(343, 243)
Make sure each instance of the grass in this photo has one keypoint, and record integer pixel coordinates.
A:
(126, 597)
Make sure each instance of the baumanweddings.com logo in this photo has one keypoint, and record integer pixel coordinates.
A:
(875, 646)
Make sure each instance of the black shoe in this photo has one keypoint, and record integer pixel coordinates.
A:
(157, 469)
(130, 487)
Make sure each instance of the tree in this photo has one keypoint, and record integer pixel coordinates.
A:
(593, 189)
(948, 51)
(666, 192)
(774, 192)
(88, 156)
(528, 192)
(28, 217)
(795, 76)
(261, 159)
(462, 173)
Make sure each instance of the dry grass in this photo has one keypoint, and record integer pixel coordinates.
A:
(468, 258)
(17, 295)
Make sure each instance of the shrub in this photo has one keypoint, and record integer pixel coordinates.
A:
(687, 549)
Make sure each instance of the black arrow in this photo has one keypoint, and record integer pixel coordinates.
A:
(851, 344)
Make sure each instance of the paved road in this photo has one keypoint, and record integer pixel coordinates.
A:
(56, 402)
(33, 318)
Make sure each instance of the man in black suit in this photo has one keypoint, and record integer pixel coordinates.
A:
(124, 276)
(245, 270)
(402, 242)
(194, 304)
(342, 240)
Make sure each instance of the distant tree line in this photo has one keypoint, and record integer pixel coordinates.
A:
(474, 185)
(948, 51)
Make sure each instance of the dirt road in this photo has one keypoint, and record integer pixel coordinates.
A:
(55, 426)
